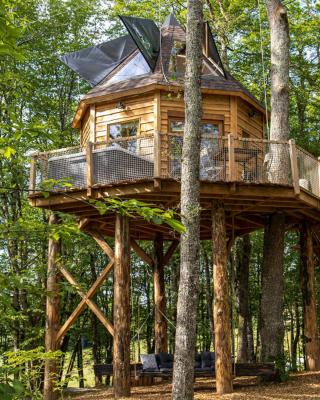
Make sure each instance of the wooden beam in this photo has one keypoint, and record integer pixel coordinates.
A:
(157, 154)
(121, 309)
(222, 323)
(141, 253)
(170, 251)
(89, 167)
(91, 292)
(234, 115)
(32, 175)
(90, 303)
(52, 314)
(92, 123)
(294, 166)
(102, 243)
(232, 163)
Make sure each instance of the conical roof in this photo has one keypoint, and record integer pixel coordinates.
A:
(149, 56)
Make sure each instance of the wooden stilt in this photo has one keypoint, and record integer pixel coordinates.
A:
(223, 362)
(52, 314)
(160, 327)
(121, 307)
(309, 300)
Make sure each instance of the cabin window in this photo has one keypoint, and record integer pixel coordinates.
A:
(214, 128)
(177, 63)
(123, 129)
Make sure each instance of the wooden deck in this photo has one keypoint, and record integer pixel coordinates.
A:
(239, 179)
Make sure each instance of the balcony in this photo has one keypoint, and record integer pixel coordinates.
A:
(145, 157)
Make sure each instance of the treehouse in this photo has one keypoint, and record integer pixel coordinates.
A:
(131, 126)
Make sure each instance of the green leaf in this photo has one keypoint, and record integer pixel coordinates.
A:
(8, 152)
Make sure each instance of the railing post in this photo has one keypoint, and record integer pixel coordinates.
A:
(89, 166)
(294, 166)
(157, 154)
(232, 169)
(32, 177)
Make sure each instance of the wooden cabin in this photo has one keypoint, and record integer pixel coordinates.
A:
(131, 127)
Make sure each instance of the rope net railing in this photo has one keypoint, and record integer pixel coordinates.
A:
(143, 157)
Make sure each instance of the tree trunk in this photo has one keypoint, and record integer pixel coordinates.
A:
(222, 323)
(183, 372)
(52, 314)
(279, 129)
(242, 262)
(121, 309)
(208, 277)
(311, 339)
(160, 327)
(272, 328)
(80, 363)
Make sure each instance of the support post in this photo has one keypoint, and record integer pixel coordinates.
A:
(121, 307)
(160, 328)
(157, 154)
(232, 165)
(294, 166)
(52, 314)
(311, 339)
(222, 323)
(32, 177)
(89, 164)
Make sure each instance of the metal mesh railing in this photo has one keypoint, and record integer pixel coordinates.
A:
(240, 160)
(308, 171)
(222, 159)
(123, 159)
(60, 169)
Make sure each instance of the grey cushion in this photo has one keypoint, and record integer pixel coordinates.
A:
(166, 360)
(197, 360)
(207, 359)
(149, 362)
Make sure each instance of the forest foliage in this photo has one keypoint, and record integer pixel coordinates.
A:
(38, 96)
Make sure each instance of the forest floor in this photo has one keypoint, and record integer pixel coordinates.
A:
(302, 385)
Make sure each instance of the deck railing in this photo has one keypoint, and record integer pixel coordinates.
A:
(158, 155)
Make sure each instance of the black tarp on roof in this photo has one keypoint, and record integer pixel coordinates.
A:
(96, 62)
(146, 35)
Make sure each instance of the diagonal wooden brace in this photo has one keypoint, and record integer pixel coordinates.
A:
(86, 300)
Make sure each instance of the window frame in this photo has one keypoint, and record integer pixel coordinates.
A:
(123, 122)
(218, 122)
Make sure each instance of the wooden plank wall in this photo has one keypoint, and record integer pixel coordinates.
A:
(253, 126)
(138, 107)
(85, 129)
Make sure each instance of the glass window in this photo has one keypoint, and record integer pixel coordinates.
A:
(123, 129)
(136, 66)
(177, 125)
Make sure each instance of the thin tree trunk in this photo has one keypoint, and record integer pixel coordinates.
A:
(183, 373)
(160, 327)
(222, 323)
(52, 314)
(209, 280)
(311, 339)
(80, 363)
(242, 261)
